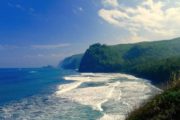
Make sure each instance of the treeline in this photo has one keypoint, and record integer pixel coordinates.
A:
(158, 71)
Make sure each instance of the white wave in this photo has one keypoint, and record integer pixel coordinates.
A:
(85, 77)
(125, 91)
(109, 96)
(87, 96)
(77, 78)
(68, 87)
(33, 72)
(47, 108)
(88, 74)
(112, 117)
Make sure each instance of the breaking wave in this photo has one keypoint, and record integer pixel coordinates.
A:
(114, 95)
(88, 96)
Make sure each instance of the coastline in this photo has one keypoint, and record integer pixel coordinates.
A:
(101, 91)
(161, 85)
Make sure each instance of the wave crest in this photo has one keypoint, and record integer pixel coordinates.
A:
(115, 95)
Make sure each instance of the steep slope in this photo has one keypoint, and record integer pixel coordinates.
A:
(151, 60)
(71, 62)
(165, 106)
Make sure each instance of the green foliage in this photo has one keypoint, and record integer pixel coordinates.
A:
(157, 61)
(151, 60)
(165, 106)
(159, 71)
(71, 62)
(102, 58)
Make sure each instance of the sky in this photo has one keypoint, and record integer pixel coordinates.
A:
(34, 33)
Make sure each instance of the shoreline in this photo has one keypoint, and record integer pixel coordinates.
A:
(116, 88)
(160, 85)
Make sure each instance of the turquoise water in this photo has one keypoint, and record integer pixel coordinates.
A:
(16, 84)
(29, 94)
(55, 94)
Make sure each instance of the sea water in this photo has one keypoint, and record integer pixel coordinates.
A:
(54, 94)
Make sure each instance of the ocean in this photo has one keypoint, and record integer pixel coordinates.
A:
(56, 94)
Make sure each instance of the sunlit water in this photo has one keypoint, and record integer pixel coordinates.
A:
(72, 96)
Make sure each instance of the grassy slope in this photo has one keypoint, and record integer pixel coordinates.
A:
(165, 106)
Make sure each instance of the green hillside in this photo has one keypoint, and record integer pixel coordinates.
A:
(71, 62)
(165, 106)
(157, 61)
(151, 60)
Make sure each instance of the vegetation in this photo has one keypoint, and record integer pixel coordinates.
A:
(158, 71)
(158, 61)
(71, 62)
(151, 60)
(165, 106)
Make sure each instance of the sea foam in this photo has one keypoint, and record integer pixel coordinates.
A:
(115, 98)
(87, 96)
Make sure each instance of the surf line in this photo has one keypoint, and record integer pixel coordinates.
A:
(99, 106)
(69, 88)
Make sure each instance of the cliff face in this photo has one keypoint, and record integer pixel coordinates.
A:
(103, 58)
(158, 61)
(71, 62)
(150, 60)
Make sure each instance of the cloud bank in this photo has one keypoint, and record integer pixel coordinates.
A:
(148, 19)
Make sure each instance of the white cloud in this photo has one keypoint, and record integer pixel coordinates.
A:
(80, 9)
(133, 39)
(151, 19)
(19, 6)
(50, 46)
(8, 47)
(112, 3)
(54, 55)
(30, 10)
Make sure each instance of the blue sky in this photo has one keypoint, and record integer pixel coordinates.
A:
(34, 33)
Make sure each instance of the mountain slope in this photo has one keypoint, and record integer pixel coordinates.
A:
(151, 60)
(71, 62)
